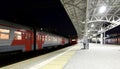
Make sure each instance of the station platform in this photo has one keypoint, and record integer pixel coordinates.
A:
(75, 57)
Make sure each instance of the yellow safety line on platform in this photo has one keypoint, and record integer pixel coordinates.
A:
(59, 62)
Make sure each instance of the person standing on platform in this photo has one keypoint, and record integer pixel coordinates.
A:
(86, 44)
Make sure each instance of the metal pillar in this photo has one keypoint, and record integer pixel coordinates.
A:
(104, 37)
(96, 40)
(101, 36)
(85, 38)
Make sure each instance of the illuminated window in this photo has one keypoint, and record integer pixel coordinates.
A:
(73, 39)
(46, 38)
(54, 38)
(17, 35)
(49, 39)
(4, 33)
(42, 37)
(59, 39)
(38, 37)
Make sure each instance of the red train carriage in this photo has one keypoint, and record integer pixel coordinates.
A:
(113, 40)
(73, 41)
(53, 40)
(14, 37)
(40, 39)
(24, 37)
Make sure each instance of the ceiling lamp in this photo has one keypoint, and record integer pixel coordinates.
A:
(99, 31)
(88, 30)
(92, 25)
(94, 34)
(102, 9)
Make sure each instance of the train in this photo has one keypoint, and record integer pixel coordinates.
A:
(95, 40)
(73, 41)
(113, 39)
(16, 37)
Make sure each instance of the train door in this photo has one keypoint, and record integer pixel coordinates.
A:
(28, 41)
(38, 41)
(42, 39)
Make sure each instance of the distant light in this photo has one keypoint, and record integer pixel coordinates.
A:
(108, 36)
(99, 31)
(92, 25)
(73, 39)
(88, 30)
(41, 28)
(102, 9)
(90, 36)
(94, 34)
(22, 30)
(83, 22)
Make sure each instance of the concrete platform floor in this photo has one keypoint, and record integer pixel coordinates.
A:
(96, 57)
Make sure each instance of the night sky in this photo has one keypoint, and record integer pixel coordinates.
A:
(115, 30)
(48, 14)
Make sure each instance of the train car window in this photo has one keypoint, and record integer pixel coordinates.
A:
(17, 35)
(55, 38)
(42, 37)
(38, 36)
(46, 38)
(4, 34)
(58, 39)
(49, 38)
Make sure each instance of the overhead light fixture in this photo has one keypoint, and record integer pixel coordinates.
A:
(102, 9)
(90, 36)
(83, 22)
(94, 34)
(108, 35)
(99, 31)
(88, 30)
(92, 25)
(41, 28)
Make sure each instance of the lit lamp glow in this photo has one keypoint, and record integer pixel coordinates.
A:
(102, 9)
(88, 30)
(99, 31)
(94, 34)
(92, 25)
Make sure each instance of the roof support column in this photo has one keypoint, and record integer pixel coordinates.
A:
(101, 36)
(104, 37)
(96, 40)
(85, 38)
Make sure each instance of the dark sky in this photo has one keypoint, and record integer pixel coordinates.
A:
(115, 30)
(48, 14)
